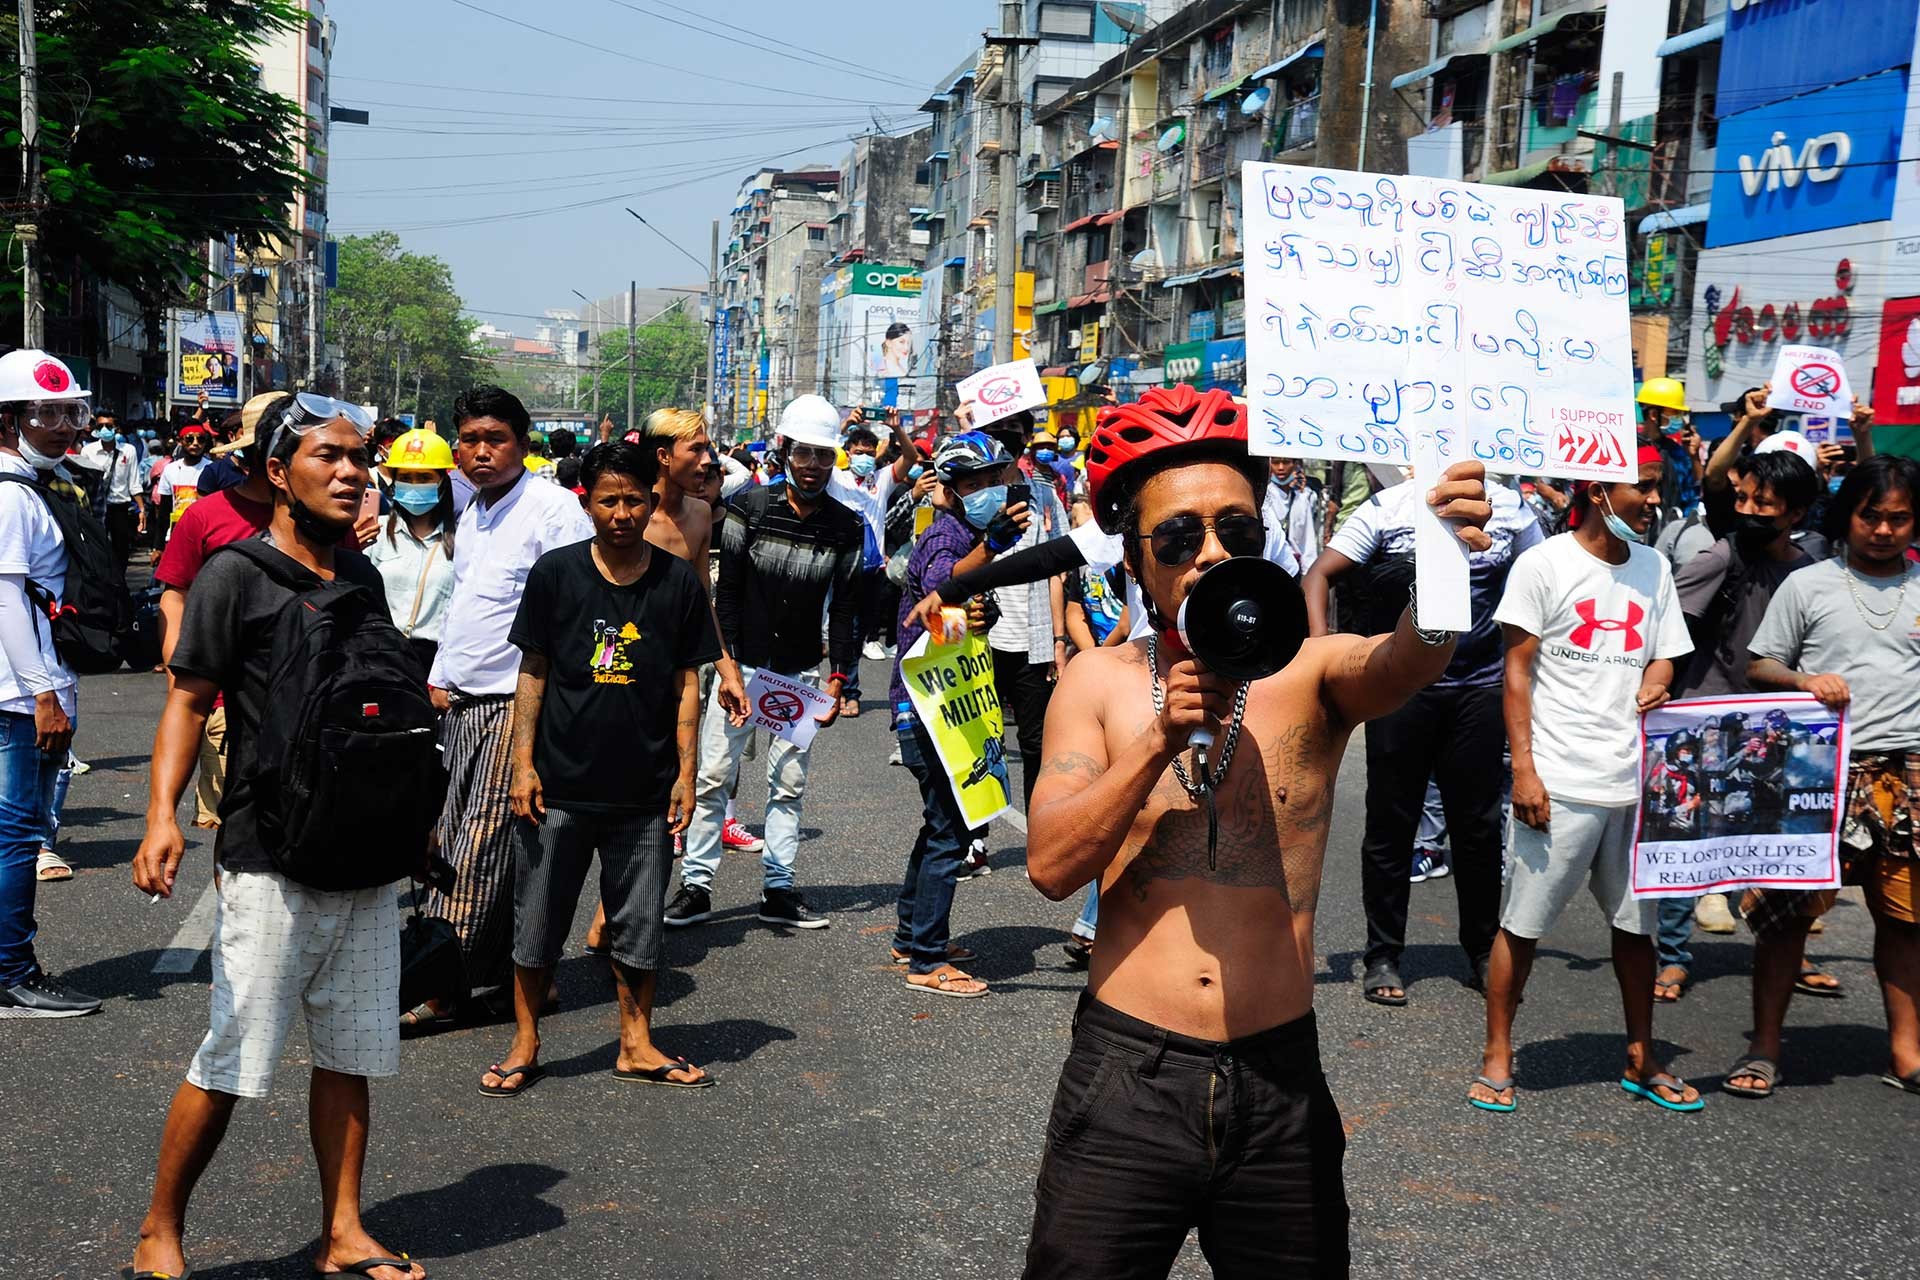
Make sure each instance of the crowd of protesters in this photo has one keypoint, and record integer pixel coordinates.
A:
(521, 601)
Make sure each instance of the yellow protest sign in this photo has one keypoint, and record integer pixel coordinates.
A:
(952, 690)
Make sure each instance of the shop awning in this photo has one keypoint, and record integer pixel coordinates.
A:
(1108, 219)
(1673, 219)
(1693, 39)
(1222, 90)
(959, 260)
(1528, 172)
(1174, 282)
(1231, 269)
(1078, 223)
(1079, 300)
(1049, 308)
(1547, 26)
(1433, 68)
(1314, 50)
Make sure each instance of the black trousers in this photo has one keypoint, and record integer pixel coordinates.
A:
(879, 606)
(1456, 737)
(1154, 1134)
(123, 519)
(1024, 690)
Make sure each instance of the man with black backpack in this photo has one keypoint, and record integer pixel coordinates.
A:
(42, 408)
(333, 787)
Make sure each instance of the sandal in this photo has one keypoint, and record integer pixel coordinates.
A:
(530, 1073)
(128, 1273)
(50, 866)
(367, 1266)
(1649, 1089)
(1493, 1086)
(1806, 985)
(1762, 1069)
(1669, 990)
(1909, 1083)
(955, 955)
(424, 1017)
(663, 1075)
(1384, 975)
(942, 980)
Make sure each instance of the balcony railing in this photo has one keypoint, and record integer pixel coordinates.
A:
(1043, 195)
(1209, 162)
(1166, 172)
(1297, 124)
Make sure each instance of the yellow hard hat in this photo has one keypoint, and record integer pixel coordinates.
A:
(1664, 393)
(419, 450)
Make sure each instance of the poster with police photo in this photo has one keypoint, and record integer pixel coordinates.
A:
(1740, 792)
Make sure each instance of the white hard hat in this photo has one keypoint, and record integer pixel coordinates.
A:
(1794, 443)
(34, 375)
(810, 419)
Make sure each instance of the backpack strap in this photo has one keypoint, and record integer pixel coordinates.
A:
(277, 564)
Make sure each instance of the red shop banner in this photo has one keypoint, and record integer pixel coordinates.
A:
(1896, 378)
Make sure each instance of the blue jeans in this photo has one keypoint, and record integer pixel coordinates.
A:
(721, 745)
(926, 894)
(27, 777)
(62, 780)
(1676, 928)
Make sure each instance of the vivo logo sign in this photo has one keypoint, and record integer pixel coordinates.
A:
(1822, 158)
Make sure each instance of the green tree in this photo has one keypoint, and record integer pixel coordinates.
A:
(669, 360)
(409, 346)
(155, 137)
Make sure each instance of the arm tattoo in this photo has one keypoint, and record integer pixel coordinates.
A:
(1072, 762)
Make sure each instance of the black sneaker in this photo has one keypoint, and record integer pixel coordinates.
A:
(784, 906)
(41, 997)
(689, 906)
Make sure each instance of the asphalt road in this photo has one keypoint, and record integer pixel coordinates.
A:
(862, 1129)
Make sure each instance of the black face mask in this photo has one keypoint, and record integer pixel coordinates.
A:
(1753, 533)
(312, 527)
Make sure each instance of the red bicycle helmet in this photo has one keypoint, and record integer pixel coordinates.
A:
(1163, 418)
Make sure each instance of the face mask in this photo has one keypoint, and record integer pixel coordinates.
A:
(1620, 528)
(1067, 445)
(39, 461)
(861, 465)
(1834, 483)
(983, 505)
(1753, 532)
(916, 472)
(417, 498)
(312, 527)
(793, 483)
(1044, 455)
(104, 433)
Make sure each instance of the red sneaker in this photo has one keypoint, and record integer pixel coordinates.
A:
(734, 835)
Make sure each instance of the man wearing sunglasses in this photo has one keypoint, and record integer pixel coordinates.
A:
(1194, 1083)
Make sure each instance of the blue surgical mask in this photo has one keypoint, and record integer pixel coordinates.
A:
(982, 505)
(1067, 445)
(104, 433)
(1044, 455)
(417, 498)
(861, 464)
(1617, 527)
(916, 472)
(1834, 483)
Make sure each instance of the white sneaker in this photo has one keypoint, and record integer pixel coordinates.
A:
(875, 651)
(1711, 914)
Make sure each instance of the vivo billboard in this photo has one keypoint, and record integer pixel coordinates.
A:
(1823, 160)
(1775, 49)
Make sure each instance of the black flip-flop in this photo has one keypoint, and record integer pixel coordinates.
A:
(531, 1074)
(662, 1075)
(1909, 1083)
(367, 1266)
(1382, 974)
(1806, 988)
(128, 1273)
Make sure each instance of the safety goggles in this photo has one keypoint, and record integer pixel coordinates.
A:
(52, 415)
(309, 411)
(1178, 539)
(810, 453)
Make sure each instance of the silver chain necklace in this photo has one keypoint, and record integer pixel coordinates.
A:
(1210, 778)
(1860, 604)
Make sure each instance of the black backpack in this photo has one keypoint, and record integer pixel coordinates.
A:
(346, 777)
(89, 623)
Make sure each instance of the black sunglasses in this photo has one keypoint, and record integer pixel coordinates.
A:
(1178, 539)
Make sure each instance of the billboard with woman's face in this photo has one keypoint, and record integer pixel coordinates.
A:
(871, 336)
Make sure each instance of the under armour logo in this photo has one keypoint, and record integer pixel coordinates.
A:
(1583, 635)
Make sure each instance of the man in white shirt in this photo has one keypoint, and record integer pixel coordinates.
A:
(1291, 511)
(1592, 626)
(868, 488)
(118, 500)
(42, 409)
(180, 479)
(513, 519)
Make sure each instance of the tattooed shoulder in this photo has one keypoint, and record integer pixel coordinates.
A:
(1072, 762)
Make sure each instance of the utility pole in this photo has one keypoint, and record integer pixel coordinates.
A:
(1006, 233)
(712, 397)
(28, 231)
(633, 290)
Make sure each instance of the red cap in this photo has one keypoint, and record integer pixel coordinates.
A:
(195, 429)
(1649, 453)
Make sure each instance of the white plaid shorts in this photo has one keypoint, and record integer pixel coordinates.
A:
(282, 950)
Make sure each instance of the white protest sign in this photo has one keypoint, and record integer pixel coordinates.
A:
(1810, 380)
(1740, 792)
(1489, 321)
(1002, 390)
(785, 707)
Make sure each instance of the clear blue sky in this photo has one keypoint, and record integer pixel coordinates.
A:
(509, 152)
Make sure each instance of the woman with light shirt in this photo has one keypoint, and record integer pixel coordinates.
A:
(414, 548)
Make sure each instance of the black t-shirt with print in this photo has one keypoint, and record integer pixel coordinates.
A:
(606, 732)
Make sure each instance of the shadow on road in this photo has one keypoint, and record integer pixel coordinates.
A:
(726, 1040)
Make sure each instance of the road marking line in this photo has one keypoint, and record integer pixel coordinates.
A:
(190, 942)
(1015, 819)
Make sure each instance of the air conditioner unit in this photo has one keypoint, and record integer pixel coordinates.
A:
(1073, 339)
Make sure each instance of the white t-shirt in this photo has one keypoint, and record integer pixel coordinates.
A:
(180, 480)
(865, 503)
(1599, 625)
(31, 544)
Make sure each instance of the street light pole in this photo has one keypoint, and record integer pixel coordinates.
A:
(28, 231)
(713, 316)
(633, 298)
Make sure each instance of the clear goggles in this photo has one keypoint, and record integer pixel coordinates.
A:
(309, 411)
(53, 415)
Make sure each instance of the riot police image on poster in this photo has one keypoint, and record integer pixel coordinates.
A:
(1739, 791)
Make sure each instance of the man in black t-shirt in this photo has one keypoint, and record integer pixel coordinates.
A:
(281, 950)
(606, 722)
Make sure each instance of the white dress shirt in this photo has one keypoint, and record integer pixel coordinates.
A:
(493, 550)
